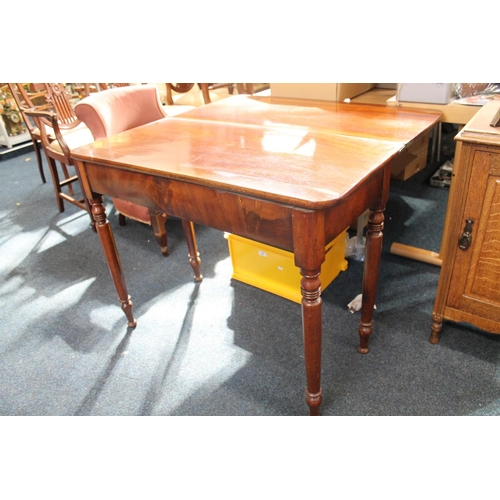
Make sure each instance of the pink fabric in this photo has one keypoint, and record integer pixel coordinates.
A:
(133, 211)
(112, 111)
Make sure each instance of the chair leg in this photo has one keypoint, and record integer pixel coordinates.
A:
(194, 256)
(205, 92)
(121, 219)
(37, 146)
(158, 220)
(67, 176)
(86, 201)
(170, 99)
(55, 180)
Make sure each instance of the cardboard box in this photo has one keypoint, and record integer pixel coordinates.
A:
(274, 270)
(437, 93)
(411, 160)
(350, 90)
(321, 91)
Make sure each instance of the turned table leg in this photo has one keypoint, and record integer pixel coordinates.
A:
(108, 244)
(312, 330)
(194, 256)
(158, 220)
(373, 252)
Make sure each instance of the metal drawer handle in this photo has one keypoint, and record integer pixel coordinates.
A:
(466, 238)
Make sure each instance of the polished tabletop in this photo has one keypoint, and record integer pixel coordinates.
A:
(309, 154)
(331, 118)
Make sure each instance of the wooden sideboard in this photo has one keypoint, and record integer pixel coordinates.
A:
(469, 284)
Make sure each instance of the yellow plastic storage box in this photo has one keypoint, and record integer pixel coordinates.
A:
(274, 270)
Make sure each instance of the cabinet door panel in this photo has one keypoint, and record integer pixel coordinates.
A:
(484, 281)
(475, 285)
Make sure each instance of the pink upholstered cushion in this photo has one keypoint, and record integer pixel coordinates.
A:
(136, 212)
(112, 111)
(115, 110)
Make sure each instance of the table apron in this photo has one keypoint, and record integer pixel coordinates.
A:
(262, 220)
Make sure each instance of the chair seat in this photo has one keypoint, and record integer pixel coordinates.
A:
(132, 211)
(174, 110)
(74, 138)
(195, 97)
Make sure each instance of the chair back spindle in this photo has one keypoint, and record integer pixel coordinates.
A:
(60, 100)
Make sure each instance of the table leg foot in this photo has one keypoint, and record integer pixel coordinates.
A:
(193, 255)
(365, 330)
(127, 309)
(437, 324)
(196, 266)
(314, 402)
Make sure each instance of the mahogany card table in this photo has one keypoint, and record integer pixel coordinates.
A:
(285, 172)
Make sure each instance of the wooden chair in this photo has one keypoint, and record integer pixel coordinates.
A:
(80, 90)
(24, 101)
(61, 131)
(106, 86)
(243, 88)
(170, 109)
(115, 110)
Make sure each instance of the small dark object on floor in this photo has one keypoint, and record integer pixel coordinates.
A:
(442, 177)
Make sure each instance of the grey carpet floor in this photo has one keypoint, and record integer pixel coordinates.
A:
(220, 347)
